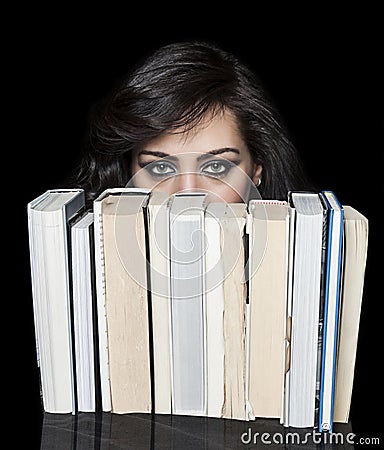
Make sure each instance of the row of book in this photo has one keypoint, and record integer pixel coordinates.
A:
(168, 304)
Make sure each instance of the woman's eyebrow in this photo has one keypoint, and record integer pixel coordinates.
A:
(154, 153)
(217, 151)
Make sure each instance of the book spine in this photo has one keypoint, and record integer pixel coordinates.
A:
(187, 310)
(325, 254)
(69, 212)
(96, 345)
(288, 226)
(32, 234)
(68, 243)
(337, 318)
(149, 303)
(101, 312)
(285, 419)
(248, 239)
(331, 312)
(204, 313)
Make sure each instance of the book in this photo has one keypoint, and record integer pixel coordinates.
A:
(214, 276)
(225, 286)
(304, 310)
(235, 310)
(101, 289)
(126, 302)
(84, 313)
(187, 304)
(330, 307)
(48, 218)
(268, 278)
(355, 247)
(158, 240)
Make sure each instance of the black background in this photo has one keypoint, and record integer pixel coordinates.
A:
(324, 75)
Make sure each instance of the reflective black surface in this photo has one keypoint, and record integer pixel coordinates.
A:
(87, 431)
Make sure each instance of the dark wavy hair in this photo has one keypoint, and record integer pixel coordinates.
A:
(175, 87)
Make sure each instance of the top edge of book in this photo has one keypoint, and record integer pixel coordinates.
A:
(84, 221)
(223, 210)
(189, 194)
(306, 203)
(54, 199)
(271, 211)
(254, 202)
(187, 203)
(331, 200)
(122, 191)
(351, 213)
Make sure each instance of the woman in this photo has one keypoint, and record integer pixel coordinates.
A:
(190, 117)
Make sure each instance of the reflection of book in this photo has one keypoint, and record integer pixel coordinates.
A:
(88, 431)
(48, 218)
(83, 431)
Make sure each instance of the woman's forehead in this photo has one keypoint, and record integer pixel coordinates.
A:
(219, 131)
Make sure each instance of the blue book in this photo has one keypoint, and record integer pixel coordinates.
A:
(332, 274)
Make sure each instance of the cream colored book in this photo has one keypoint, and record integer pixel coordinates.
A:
(353, 271)
(214, 276)
(234, 318)
(126, 302)
(158, 235)
(269, 246)
(101, 288)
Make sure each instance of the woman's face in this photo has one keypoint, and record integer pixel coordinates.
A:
(211, 158)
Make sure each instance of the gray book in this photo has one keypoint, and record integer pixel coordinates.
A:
(187, 303)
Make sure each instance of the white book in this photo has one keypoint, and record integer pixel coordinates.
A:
(83, 313)
(48, 218)
(186, 223)
(214, 308)
(305, 309)
(100, 290)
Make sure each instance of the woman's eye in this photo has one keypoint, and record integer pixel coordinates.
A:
(161, 168)
(215, 168)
